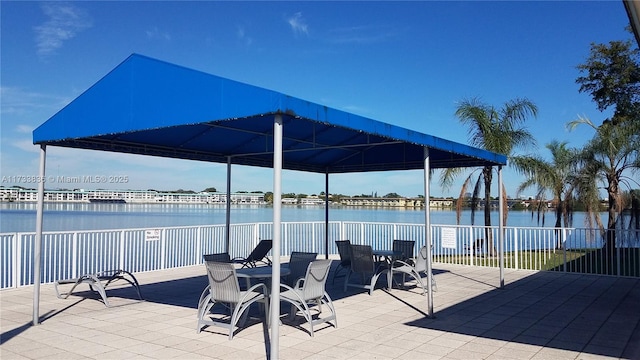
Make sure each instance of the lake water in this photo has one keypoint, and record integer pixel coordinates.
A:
(21, 217)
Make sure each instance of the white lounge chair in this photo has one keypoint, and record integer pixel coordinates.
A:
(98, 282)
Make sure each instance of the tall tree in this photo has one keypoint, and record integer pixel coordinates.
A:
(611, 75)
(609, 158)
(500, 130)
(555, 177)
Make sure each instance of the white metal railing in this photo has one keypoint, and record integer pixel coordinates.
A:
(73, 253)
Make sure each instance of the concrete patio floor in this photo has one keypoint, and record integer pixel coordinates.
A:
(537, 315)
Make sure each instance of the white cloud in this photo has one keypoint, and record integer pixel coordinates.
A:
(64, 22)
(16, 101)
(298, 24)
(156, 33)
(26, 144)
(24, 129)
(242, 36)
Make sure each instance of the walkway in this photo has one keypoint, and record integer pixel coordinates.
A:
(537, 316)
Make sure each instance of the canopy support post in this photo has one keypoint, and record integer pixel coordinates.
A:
(427, 232)
(277, 210)
(326, 214)
(227, 234)
(37, 252)
(501, 226)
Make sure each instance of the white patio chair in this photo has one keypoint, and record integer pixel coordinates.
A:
(414, 269)
(225, 289)
(217, 257)
(363, 264)
(309, 293)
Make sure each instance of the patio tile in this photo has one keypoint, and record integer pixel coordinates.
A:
(515, 353)
(536, 316)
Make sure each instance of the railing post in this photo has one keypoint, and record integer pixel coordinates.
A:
(313, 238)
(199, 230)
(163, 248)
(74, 255)
(256, 234)
(122, 251)
(16, 277)
(472, 248)
(564, 250)
(618, 267)
(516, 249)
(283, 238)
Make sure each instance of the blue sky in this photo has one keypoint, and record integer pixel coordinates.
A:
(405, 63)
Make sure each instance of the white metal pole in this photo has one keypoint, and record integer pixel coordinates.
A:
(427, 233)
(228, 210)
(37, 252)
(326, 215)
(501, 227)
(277, 207)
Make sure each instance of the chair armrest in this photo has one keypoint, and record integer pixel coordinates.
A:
(291, 290)
(299, 283)
(286, 286)
(400, 263)
(253, 290)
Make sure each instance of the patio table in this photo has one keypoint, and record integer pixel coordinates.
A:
(387, 256)
(261, 272)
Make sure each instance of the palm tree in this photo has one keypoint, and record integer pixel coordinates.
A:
(609, 158)
(556, 177)
(496, 130)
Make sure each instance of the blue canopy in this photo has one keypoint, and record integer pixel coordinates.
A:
(150, 107)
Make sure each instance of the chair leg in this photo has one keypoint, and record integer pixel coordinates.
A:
(434, 285)
(374, 281)
(292, 312)
(329, 304)
(203, 309)
(99, 289)
(309, 318)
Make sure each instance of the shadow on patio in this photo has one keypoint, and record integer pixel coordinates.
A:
(588, 314)
(539, 315)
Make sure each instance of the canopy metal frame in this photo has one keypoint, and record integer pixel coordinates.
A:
(149, 107)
